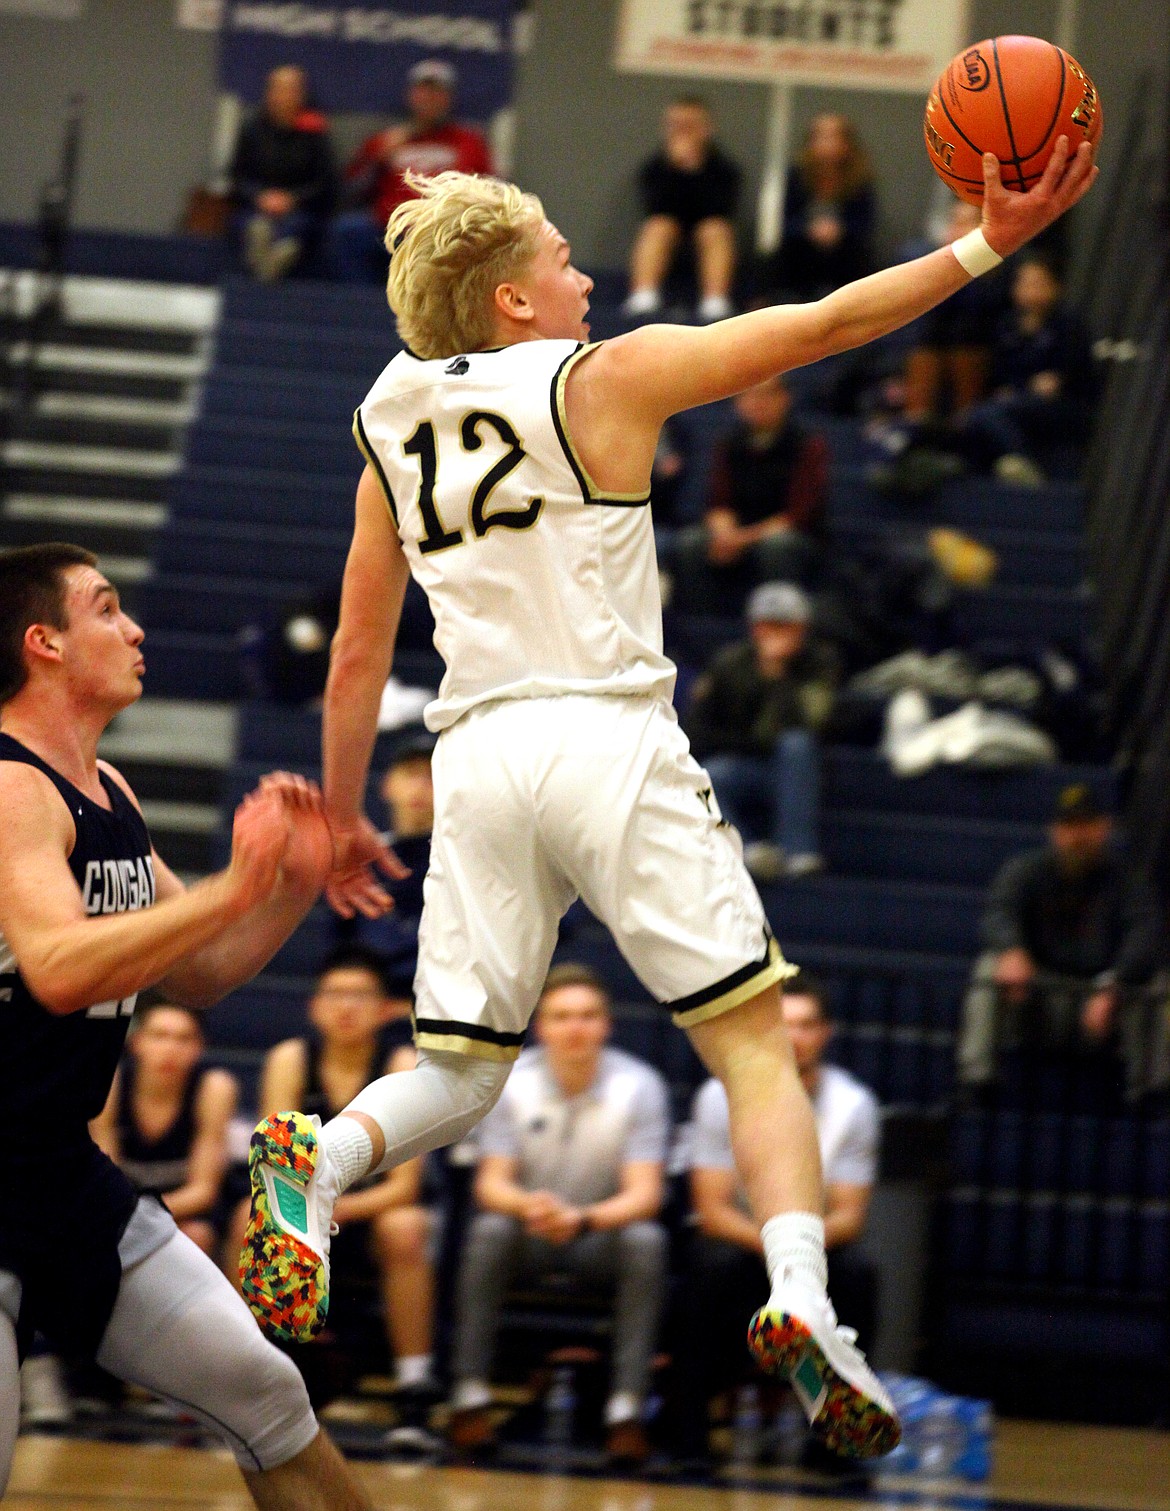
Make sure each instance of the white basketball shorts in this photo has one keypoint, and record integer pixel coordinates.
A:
(539, 801)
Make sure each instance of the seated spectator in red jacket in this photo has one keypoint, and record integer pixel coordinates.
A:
(428, 142)
(1042, 380)
(829, 211)
(282, 178)
(764, 511)
(689, 190)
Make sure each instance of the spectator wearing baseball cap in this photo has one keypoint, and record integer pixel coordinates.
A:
(754, 721)
(428, 142)
(765, 507)
(1072, 939)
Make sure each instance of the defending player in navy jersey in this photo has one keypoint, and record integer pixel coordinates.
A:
(508, 471)
(90, 915)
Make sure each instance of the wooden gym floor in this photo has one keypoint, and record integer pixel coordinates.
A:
(1036, 1465)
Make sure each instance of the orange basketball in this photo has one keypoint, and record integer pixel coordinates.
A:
(1012, 96)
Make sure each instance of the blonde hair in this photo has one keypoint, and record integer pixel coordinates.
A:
(449, 249)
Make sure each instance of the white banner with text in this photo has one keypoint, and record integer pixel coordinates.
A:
(857, 44)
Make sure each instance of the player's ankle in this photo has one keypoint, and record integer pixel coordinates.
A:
(794, 1250)
(350, 1151)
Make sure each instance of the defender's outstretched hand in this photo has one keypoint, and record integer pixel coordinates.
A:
(260, 835)
(1010, 218)
(308, 856)
(353, 887)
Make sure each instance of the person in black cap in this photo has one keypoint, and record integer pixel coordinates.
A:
(1071, 933)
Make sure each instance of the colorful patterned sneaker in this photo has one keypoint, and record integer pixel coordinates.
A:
(284, 1264)
(797, 1335)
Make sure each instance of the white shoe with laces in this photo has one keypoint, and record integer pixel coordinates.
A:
(797, 1336)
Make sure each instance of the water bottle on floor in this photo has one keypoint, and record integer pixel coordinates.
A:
(942, 1437)
(747, 1428)
(560, 1406)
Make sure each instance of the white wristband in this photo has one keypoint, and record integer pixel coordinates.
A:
(974, 255)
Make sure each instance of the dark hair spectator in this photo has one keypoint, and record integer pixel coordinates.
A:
(1042, 380)
(753, 721)
(282, 179)
(690, 192)
(408, 792)
(948, 360)
(165, 1122)
(383, 1247)
(570, 1185)
(765, 507)
(1072, 938)
(427, 142)
(829, 212)
(725, 1276)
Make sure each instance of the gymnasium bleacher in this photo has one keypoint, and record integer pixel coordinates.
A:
(1051, 1220)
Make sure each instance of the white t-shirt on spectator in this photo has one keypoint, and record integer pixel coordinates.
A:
(848, 1128)
(576, 1147)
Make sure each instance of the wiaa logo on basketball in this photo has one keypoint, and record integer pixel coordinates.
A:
(977, 73)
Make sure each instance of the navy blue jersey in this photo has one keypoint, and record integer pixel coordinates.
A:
(63, 1205)
(56, 1071)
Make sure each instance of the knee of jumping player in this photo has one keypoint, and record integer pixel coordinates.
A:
(266, 1407)
(749, 1035)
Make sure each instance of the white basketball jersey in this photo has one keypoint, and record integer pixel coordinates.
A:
(539, 583)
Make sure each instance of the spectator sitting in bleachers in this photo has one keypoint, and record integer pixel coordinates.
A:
(765, 507)
(408, 792)
(725, 1276)
(689, 190)
(1042, 381)
(570, 1186)
(753, 721)
(165, 1122)
(1072, 938)
(829, 211)
(949, 357)
(384, 1242)
(282, 178)
(428, 142)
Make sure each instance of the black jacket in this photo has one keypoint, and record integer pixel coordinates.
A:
(1085, 926)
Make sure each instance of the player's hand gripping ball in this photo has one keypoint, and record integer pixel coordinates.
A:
(1012, 96)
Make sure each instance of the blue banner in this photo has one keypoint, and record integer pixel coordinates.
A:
(357, 57)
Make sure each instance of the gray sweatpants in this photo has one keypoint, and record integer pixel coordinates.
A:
(629, 1263)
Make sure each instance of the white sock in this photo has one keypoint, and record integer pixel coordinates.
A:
(643, 302)
(622, 1406)
(471, 1395)
(411, 1370)
(794, 1249)
(350, 1149)
(714, 307)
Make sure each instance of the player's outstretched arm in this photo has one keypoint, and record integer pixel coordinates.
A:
(247, 944)
(660, 369)
(71, 961)
(376, 574)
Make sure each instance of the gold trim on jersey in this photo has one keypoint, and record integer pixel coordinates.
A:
(363, 445)
(739, 988)
(460, 1044)
(593, 494)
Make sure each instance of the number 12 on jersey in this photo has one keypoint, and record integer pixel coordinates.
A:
(424, 445)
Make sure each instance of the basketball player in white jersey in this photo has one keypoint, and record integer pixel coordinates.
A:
(508, 470)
